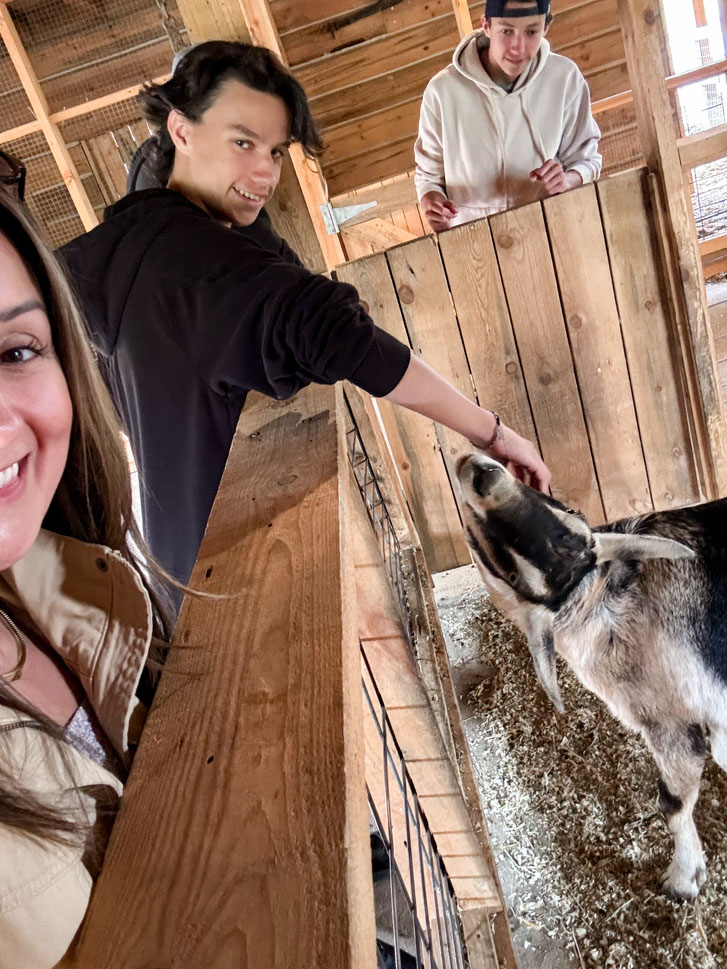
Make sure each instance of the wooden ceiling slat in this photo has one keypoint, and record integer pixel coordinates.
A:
(329, 36)
(365, 97)
(378, 57)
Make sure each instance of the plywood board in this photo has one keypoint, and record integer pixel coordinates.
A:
(649, 339)
(532, 294)
(484, 322)
(589, 304)
(413, 438)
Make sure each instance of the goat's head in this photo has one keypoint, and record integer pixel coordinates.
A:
(540, 550)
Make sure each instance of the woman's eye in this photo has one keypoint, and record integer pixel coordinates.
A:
(18, 355)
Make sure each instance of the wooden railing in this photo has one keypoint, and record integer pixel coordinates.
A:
(243, 834)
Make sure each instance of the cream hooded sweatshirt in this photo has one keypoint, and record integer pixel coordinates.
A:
(478, 143)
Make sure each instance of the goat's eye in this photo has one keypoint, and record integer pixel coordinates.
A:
(512, 578)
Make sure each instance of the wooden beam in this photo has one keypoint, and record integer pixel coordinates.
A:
(705, 146)
(673, 82)
(243, 835)
(264, 33)
(463, 17)
(641, 25)
(38, 103)
(710, 246)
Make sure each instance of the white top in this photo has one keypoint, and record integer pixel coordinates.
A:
(478, 143)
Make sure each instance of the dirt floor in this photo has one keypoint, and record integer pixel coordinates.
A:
(572, 810)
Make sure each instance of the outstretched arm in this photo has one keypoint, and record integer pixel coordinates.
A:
(423, 390)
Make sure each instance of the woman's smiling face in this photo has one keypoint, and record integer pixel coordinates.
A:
(35, 409)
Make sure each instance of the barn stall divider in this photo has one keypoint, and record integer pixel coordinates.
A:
(558, 315)
(306, 705)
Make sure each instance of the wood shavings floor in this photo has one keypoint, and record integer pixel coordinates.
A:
(571, 804)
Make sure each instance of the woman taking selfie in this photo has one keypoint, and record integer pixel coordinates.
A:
(76, 616)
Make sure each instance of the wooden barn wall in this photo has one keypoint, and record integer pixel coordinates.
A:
(365, 70)
(555, 315)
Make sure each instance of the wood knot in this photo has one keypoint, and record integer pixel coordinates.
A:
(545, 379)
(505, 241)
(511, 367)
(649, 305)
(650, 16)
(576, 322)
(676, 452)
(406, 294)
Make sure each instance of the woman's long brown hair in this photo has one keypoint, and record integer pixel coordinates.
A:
(93, 503)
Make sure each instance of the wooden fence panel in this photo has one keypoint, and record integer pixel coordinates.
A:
(419, 461)
(531, 289)
(484, 322)
(557, 315)
(653, 362)
(581, 261)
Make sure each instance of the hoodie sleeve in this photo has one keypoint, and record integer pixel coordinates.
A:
(275, 327)
(578, 151)
(428, 150)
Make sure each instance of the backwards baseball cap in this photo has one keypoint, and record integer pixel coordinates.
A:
(516, 8)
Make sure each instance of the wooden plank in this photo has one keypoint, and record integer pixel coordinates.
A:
(37, 100)
(673, 82)
(642, 25)
(581, 21)
(381, 128)
(463, 17)
(478, 939)
(650, 343)
(597, 52)
(484, 322)
(426, 304)
(604, 82)
(709, 246)
(346, 28)
(378, 56)
(413, 439)
(705, 146)
(592, 321)
(364, 97)
(378, 233)
(385, 161)
(243, 832)
(532, 295)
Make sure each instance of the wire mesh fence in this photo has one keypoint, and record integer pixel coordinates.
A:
(417, 920)
(418, 924)
(46, 194)
(85, 50)
(14, 105)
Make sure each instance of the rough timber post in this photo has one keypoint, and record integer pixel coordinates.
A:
(641, 25)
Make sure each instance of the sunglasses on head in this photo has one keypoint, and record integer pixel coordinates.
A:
(14, 177)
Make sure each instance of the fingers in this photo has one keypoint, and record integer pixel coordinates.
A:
(551, 175)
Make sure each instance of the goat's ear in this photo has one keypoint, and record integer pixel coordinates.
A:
(612, 546)
(542, 649)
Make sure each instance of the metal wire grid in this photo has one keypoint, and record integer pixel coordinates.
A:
(82, 51)
(425, 927)
(46, 194)
(14, 107)
(378, 513)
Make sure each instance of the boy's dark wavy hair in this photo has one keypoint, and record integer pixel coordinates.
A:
(195, 83)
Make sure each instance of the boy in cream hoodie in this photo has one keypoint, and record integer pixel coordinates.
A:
(506, 123)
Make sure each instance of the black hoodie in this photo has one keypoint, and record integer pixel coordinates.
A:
(187, 316)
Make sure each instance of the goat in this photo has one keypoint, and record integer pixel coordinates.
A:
(638, 610)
